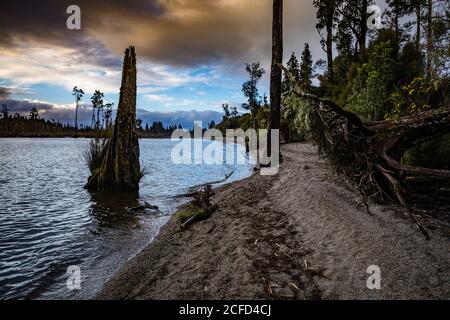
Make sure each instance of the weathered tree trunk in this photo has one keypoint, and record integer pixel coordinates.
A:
(120, 170)
(418, 21)
(276, 72)
(363, 26)
(330, 50)
(429, 67)
(330, 14)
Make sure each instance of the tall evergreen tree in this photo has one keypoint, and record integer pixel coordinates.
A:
(395, 11)
(108, 114)
(5, 112)
(250, 89)
(416, 7)
(78, 94)
(294, 68)
(326, 14)
(356, 15)
(234, 112)
(34, 114)
(97, 104)
(226, 111)
(306, 69)
(344, 39)
(276, 72)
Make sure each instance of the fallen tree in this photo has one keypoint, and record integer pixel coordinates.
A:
(370, 154)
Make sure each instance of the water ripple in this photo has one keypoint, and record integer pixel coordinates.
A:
(48, 221)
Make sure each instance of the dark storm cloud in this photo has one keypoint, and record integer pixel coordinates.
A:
(48, 111)
(5, 93)
(23, 106)
(45, 23)
(47, 18)
(174, 32)
(95, 53)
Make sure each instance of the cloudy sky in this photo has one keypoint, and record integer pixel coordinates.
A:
(191, 53)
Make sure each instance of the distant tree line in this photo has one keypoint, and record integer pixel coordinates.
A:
(155, 130)
(17, 125)
(32, 125)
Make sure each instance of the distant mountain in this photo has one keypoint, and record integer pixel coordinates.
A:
(184, 118)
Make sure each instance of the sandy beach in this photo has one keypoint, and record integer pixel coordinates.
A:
(302, 234)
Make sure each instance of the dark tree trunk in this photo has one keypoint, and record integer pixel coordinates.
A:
(93, 118)
(419, 22)
(76, 116)
(397, 32)
(363, 26)
(120, 170)
(330, 22)
(98, 119)
(276, 72)
(429, 38)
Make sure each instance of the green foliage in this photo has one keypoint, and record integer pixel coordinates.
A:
(97, 104)
(250, 88)
(411, 64)
(434, 154)
(201, 207)
(344, 39)
(155, 130)
(191, 212)
(386, 79)
(77, 93)
(440, 40)
(418, 96)
(373, 84)
(412, 98)
(294, 68)
(94, 153)
(295, 118)
(34, 114)
(230, 118)
(5, 112)
(107, 116)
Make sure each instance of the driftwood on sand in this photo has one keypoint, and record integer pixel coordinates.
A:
(120, 169)
(193, 190)
(143, 207)
(201, 207)
(370, 154)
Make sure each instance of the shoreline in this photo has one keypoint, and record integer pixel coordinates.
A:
(76, 137)
(302, 234)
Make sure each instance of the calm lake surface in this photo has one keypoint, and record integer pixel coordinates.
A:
(48, 222)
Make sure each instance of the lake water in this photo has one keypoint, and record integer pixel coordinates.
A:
(49, 222)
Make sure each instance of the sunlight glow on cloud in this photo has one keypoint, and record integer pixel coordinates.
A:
(36, 63)
(59, 66)
(191, 53)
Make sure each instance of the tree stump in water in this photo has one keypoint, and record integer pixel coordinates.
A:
(120, 169)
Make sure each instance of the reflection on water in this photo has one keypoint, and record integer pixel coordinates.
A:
(110, 210)
(48, 221)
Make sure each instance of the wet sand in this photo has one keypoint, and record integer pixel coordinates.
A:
(302, 234)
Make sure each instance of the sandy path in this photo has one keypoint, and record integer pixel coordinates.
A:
(304, 233)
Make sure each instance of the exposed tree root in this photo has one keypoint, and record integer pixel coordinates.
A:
(370, 154)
